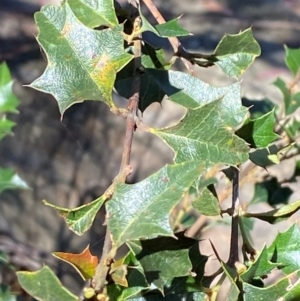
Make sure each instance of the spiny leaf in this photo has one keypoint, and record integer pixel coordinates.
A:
(8, 101)
(171, 29)
(85, 263)
(285, 249)
(202, 136)
(261, 267)
(231, 274)
(281, 290)
(276, 215)
(235, 53)
(6, 126)
(292, 59)
(193, 296)
(206, 203)
(191, 92)
(132, 210)
(43, 285)
(164, 259)
(10, 180)
(259, 132)
(80, 219)
(79, 66)
(94, 13)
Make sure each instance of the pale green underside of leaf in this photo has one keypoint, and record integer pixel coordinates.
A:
(43, 285)
(80, 219)
(292, 59)
(132, 210)
(82, 62)
(10, 180)
(202, 136)
(191, 92)
(95, 13)
(236, 53)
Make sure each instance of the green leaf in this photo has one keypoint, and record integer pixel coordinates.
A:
(43, 285)
(278, 291)
(6, 126)
(80, 219)
(259, 132)
(231, 274)
(285, 249)
(10, 180)
(79, 66)
(164, 258)
(132, 210)
(194, 296)
(94, 13)
(8, 101)
(171, 29)
(191, 92)
(149, 91)
(292, 59)
(203, 136)
(5, 293)
(261, 267)
(236, 53)
(276, 215)
(206, 203)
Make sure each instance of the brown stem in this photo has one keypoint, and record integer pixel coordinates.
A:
(175, 43)
(234, 240)
(109, 251)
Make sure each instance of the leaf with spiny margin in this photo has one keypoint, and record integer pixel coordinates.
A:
(94, 13)
(149, 90)
(206, 203)
(80, 219)
(6, 126)
(292, 59)
(202, 136)
(168, 29)
(280, 291)
(285, 249)
(236, 53)
(82, 62)
(85, 263)
(276, 215)
(43, 285)
(10, 180)
(164, 258)
(261, 267)
(190, 92)
(8, 101)
(133, 209)
(259, 132)
(231, 274)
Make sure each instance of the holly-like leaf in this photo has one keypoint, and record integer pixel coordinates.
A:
(232, 276)
(235, 53)
(292, 59)
(85, 263)
(94, 13)
(80, 219)
(164, 259)
(261, 267)
(149, 90)
(276, 215)
(79, 66)
(171, 29)
(10, 180)
(203, 136)
(8, 101)
(43, 285)
(259, 132)
(193, 296)
(281, 290)
(132, 210)
(206, 203)
(191, 92)
(285, 249)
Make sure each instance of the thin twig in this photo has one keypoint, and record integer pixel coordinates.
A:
(109, 251)
(234, 240)
(175, 43)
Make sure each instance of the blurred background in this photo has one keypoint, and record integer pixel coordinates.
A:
(73, 161)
